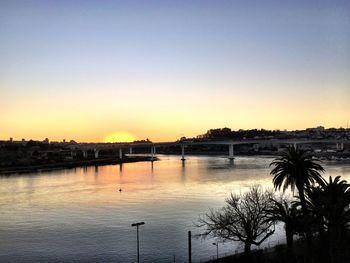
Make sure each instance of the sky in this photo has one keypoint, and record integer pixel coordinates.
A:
(86, 70)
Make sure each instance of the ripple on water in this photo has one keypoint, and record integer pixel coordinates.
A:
(79, 215)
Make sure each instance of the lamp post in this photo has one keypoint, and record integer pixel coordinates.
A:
(138, 247)
(217, 249)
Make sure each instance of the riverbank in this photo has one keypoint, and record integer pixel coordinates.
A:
(72, 164)
(280, 253)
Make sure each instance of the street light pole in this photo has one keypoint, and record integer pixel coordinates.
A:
(189, 247)
(217, 249)
(138, 246)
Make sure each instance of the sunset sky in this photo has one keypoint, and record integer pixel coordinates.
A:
(85, 70)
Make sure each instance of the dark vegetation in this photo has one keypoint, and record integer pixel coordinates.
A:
(318, 216)
(311, 133)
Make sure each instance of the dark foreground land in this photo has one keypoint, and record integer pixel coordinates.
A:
(300, 254)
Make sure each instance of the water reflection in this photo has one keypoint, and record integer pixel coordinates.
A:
(232, 162)
(80, 214)
(120, 169)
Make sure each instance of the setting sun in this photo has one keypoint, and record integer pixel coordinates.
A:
(119, 137)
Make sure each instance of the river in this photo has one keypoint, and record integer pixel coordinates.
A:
(79, 215)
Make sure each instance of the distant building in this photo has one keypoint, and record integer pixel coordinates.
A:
(317, 129)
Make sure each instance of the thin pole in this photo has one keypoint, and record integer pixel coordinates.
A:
(217, 249)
(183, 152)
(189, 248)
(137, 231)
(138, 247)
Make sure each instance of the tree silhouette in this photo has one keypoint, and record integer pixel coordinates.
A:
(296, 169)
(242, 219)
(331, 203)
(284, 211)
(314, 203)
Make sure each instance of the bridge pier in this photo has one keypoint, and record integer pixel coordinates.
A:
(120, 153)
(96, 152)
(256, 147)
(153, 152)
(230, 152)
(183, 152)
(340, 146)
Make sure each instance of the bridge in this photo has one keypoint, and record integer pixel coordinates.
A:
(128, 147)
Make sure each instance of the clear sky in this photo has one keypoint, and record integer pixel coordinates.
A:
(164, 69)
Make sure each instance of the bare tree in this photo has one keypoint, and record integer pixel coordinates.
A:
(242, 219)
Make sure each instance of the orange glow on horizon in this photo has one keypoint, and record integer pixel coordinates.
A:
(119, 137)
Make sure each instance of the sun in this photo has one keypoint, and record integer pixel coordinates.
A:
(119, 137)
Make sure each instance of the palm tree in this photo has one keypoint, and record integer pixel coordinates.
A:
(314, 203)
(283, 211)
(296, 169)
(331, 203)
(335, 200)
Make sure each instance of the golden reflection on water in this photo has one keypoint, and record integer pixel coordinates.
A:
(82, 203)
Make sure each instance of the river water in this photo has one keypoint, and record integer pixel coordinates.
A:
(79, 215)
